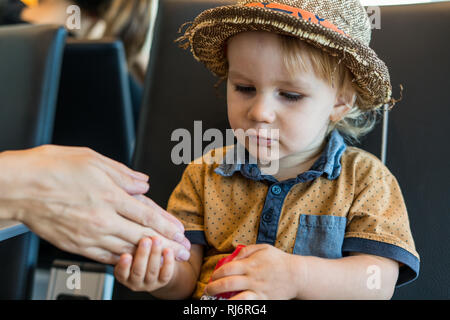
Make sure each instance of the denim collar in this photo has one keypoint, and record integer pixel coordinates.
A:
(329, 162)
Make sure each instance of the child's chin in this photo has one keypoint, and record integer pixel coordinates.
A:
(265, 156)
(264, 159)
(266, 153)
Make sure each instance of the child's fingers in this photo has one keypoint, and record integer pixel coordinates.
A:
(166, 271)
(139, 266)
(154, 262)
(122, 268)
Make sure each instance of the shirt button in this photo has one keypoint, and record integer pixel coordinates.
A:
(267, 217)
(276, 190)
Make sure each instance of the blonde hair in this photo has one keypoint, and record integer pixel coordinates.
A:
(130, 21)
(127, 20)
(354, 124)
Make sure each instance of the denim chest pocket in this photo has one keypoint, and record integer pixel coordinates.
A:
(320, 236)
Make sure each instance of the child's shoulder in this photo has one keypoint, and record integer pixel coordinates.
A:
(363, 165)
(358, 154)
(210, 160)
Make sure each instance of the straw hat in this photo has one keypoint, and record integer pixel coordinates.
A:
(339, 27)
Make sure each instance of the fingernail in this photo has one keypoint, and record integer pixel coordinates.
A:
(178, 237)
(186, 243)
(156, 242)
(146, 243)
(180, 226)
(139, 175)
(177, 223)
(142, 186)
(183, 255)
(126, 259)
(162, 260)
(181, 239)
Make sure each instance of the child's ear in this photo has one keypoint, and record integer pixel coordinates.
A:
(343, 105)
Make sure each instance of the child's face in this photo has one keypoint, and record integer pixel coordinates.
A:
(300, 108)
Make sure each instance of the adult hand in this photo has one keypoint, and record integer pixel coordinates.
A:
(84, 203)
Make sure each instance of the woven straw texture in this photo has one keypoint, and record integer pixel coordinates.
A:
(207, 35)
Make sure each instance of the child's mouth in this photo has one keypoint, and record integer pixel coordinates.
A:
(260, 141)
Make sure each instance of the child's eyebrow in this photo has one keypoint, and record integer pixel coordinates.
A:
(237, 74)
(295, 83)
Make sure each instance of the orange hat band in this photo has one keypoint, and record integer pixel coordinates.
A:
(298, 13)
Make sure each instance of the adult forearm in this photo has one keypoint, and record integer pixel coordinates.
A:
(83, 202)
(353, 277)
(7, 208)
(7, 212)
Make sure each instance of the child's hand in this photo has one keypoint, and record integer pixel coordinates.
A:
(144, 272)
(260, 271)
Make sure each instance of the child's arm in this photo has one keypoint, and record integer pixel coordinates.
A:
(185, 277)
(265, 272)
(171, 280)
(359, 276)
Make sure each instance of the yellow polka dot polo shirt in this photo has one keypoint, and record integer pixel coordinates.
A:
(348, 201)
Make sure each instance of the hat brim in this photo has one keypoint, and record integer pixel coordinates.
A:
(209, 31)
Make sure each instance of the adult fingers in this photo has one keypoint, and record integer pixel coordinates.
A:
(150, 215)
(163, 212)
(128, 180)
(116, 245)
(179, 236)
(100, 255)
(122, 168)
(132, 232)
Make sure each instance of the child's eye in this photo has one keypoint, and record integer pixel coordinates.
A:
(291, 97)
(243, 89)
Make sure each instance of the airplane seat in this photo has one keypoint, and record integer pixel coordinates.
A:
(411, 42)
(30, 64)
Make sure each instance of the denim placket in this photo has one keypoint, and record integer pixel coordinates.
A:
(270, 216)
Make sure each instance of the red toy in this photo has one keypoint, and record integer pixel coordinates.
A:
(226, 295)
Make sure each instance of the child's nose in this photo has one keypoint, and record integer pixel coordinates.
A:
(262, 110)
